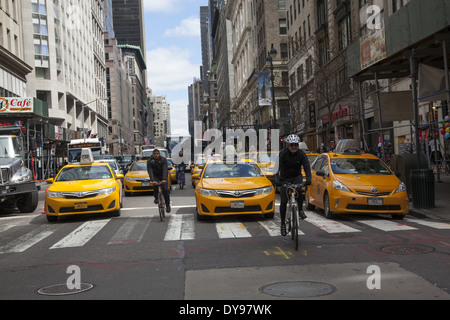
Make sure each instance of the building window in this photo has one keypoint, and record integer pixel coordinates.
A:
(283, 26)
(281, 4)
(344, 33)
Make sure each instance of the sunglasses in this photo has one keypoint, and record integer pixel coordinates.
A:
(295, 145)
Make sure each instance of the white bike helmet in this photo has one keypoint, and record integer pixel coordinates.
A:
(292, 138)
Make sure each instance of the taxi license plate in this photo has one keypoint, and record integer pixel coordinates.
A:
(375, 201)
(237, 204)
(82, 205)
(145, 184)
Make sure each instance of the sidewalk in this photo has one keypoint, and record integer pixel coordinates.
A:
(442, 201)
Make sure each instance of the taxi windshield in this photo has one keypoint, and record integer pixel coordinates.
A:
(359, 166)
(139, 166)
(84, 173)
(235, 170)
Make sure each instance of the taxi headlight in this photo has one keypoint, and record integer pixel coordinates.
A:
(401, 187)
(265, 190)
(208, 192)
(106, 191)
(340, 186)
(52, 194)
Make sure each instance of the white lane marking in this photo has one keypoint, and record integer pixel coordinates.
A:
(26, 241)
(232, 230)
(80, 236)
(327, 225)
(131, 231)
(385, 225)
(431, 224)
(181, 227)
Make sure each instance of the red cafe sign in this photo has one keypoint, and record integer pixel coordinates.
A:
(339, 114)
(12, 105)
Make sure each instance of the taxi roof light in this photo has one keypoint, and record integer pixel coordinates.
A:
(86, 156)
(347, 146)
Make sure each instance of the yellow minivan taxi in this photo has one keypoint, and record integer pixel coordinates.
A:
(354, 182)
(84, 188)
(233, 188)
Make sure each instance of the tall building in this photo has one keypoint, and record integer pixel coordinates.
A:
(129, 24)
(64, 45)
(129, 29)
(161, 109)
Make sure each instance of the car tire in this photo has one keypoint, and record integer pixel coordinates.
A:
(52, 218)
(28, 202)
(308, 204)
(326, 207)
(269, 215)
(398, 216)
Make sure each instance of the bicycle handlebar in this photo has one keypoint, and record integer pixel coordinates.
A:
(293, 185)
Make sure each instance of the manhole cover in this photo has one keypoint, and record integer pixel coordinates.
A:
(298, 289)
(407, 250)
(62, 289)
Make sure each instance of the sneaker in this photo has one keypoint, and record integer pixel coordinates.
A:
(168, 208)
(302, 215)
(155, 201)
(283, 230)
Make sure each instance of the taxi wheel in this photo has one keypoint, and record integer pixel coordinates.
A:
(116, 213)
(308, 204)
(399, 216)
(326, 207)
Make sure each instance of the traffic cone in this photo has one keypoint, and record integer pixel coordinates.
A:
(45, 203)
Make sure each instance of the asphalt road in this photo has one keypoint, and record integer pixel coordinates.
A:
(135, 256)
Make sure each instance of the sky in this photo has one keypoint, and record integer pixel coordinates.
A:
(172, 32)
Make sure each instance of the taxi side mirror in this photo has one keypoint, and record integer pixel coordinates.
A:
(119, 176)
(196, 176)
(49, 180)
(321, 173)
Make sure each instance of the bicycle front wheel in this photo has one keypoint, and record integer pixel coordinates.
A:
(162, 209)
(295, 227)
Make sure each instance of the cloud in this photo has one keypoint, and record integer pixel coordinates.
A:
(169, 69)
(189, 27)
(160, 5)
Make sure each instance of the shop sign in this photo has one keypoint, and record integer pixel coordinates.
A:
(16, 105)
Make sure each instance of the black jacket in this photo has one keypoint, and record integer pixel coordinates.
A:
(290, 167)
(157, 169)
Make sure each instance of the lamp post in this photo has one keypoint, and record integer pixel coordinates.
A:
(82, 110)
(270, 56)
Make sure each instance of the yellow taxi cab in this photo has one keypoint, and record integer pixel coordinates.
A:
(197, 169)
(233, 188)
(266, 161)
(172, 170)
(82, 188)
(349, 181)
(137, 179)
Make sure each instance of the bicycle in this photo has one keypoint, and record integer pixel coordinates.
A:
(181, 176)
(161, 202)
(292, 210)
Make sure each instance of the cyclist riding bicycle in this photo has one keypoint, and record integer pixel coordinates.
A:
(157, 171)
(289, 164)
(181, 166)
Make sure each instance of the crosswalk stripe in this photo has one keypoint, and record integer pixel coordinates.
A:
(232, 230)
(80, 236)
(181, 227)
(29, 239)
(4, 228)
(385, 225)
(435, 225)
(131, 231)
(327, 225)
